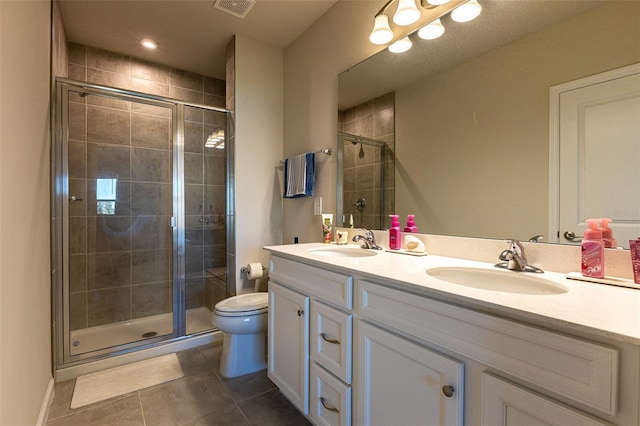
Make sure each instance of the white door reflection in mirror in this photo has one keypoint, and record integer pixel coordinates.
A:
(598, 131)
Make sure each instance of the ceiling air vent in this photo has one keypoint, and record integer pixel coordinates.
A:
(237, 8)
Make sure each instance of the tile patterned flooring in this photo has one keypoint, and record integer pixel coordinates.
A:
(202, 397)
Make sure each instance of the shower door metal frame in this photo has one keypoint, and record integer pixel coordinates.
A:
(60, 203)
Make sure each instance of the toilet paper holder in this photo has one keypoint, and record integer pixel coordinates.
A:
(250, 269)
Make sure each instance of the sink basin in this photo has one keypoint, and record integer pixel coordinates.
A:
(343, 252)
(497, 280)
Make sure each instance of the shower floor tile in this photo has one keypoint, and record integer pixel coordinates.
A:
(201, 397)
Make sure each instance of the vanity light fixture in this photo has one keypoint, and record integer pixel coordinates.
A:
(432, 30)
(401, 45)
(409, 12)
(148, 43)
(466, 12)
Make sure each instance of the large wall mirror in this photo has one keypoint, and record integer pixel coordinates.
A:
(473, 117)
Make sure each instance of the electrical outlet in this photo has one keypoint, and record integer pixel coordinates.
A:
(317, 206)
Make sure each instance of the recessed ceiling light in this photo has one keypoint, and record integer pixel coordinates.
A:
(148, 43)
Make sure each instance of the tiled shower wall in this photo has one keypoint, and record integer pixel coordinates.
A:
(362, 166)
(121, 265)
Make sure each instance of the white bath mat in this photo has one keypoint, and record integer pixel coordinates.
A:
(106, 384)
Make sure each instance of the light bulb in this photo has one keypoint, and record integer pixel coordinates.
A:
(381, 33)
(401, 45)
(467, 11)
(407, 13)
(431, 31)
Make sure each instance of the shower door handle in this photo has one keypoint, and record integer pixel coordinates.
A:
(73, 199)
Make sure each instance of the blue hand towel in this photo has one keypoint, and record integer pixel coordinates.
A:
(299, 175)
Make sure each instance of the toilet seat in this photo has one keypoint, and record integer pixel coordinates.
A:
(243, 305)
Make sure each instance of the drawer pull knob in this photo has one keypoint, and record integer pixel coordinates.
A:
(300, 312)
(448, 391)
(328, 407)
(326, 339)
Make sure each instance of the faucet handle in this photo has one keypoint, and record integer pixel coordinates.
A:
(517, 248)
(369, 234)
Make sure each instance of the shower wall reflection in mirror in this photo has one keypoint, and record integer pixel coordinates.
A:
(365, 193)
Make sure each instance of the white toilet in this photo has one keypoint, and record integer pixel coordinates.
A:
(243, 319)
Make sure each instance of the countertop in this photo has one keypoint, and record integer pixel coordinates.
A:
(606, 311)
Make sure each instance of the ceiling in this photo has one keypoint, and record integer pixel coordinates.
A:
(191, 35)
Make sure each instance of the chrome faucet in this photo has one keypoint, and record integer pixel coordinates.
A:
(515, 258)
(368, 240)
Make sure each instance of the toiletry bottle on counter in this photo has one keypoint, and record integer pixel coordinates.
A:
(411, 225)
(593, 250)
(395, 240)
(607, 233)
(327, 227)
(634, 246)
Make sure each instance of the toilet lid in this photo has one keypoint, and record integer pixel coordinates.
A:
(253, 303)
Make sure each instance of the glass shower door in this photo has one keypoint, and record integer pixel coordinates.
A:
(119, 157)
(205, 203)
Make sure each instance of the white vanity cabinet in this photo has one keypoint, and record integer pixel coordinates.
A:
(371, 350)
(583, 372)
(311, 339)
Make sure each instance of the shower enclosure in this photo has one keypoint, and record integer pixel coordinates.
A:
(142, 186)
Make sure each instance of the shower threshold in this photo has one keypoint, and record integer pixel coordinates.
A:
(111, 335)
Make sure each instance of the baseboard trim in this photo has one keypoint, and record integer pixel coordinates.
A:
(46, 403)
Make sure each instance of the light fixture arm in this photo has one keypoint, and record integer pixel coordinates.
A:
(384, 8)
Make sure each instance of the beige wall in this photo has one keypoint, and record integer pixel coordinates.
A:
(258, 151)
(25, 340)
(336, 42)
(472, 142)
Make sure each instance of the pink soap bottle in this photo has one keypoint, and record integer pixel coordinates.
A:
(607, 234)
(593, 250)
(411, 225)
(395, 240)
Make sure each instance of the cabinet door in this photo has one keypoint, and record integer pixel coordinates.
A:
(505, 404)
(289, 344)
(331, 339)
(402, 383)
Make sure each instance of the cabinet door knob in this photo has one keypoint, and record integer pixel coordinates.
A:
(300, 312)
(448, 391)
(328, 407)
(326, 339)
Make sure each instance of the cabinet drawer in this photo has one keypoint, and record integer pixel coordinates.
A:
(330, 399)
(506, 404)
(331, 339)
(333, 287)
(584, 371)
